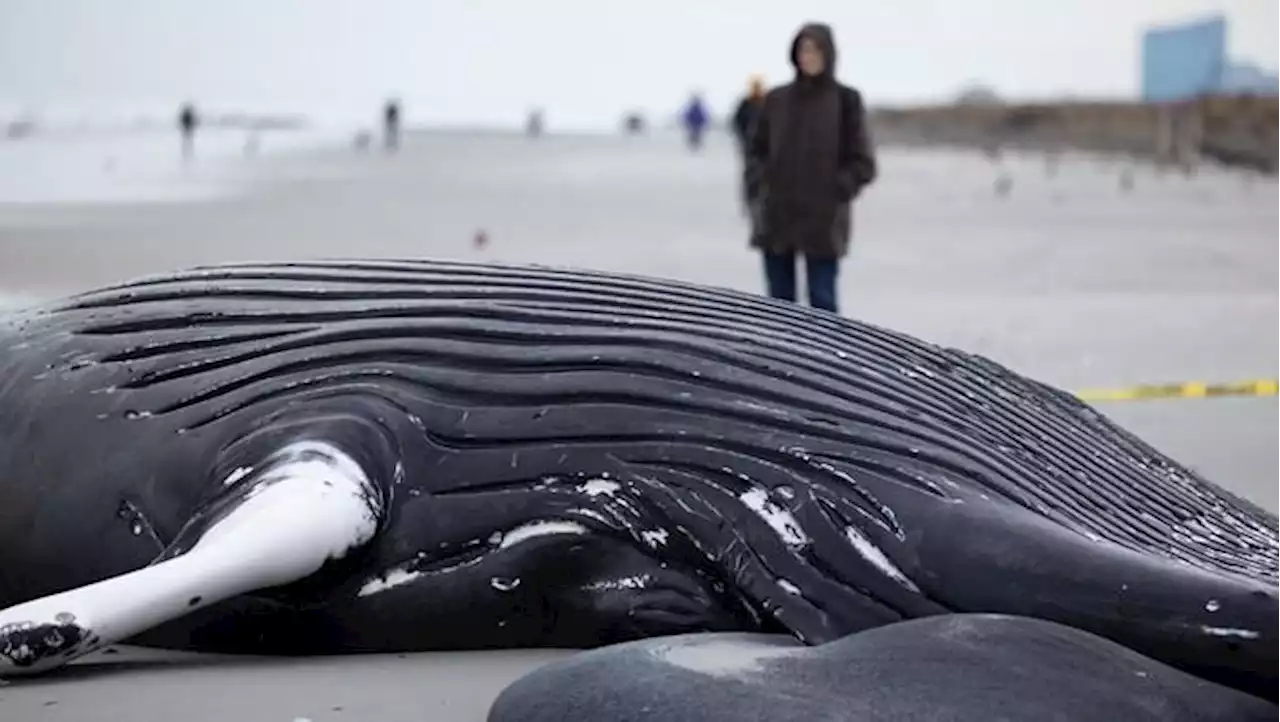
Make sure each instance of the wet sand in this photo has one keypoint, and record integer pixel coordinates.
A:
(144, 685)
(1067, 279)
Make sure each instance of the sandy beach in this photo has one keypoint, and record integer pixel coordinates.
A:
(1069, 279)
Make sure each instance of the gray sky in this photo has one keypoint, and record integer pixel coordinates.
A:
(584, 60)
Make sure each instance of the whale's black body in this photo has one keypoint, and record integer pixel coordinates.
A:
(576, 458)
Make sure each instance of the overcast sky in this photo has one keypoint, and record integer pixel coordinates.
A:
(584, 60)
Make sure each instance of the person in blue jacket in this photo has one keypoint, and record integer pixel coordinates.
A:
(695, 121)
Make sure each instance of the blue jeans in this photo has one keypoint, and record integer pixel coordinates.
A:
(820, 277)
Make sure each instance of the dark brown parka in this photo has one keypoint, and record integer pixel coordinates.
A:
(809, 157)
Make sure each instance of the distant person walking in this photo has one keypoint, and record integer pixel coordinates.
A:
(748, 110)
(744, 123)
(187, 122)
(391, 125)
(808, 159)
(695, 121)
(533, 125)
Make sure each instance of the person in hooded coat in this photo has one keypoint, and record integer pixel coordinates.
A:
(809, 157)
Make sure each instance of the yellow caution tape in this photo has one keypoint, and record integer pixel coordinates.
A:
(1188, 390)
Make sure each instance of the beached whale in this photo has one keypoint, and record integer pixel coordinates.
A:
(349, 456)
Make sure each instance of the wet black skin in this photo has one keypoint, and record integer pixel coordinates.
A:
(462, 610)
(566, 594)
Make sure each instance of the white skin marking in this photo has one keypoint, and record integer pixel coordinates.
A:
(393, 578)
(537, 529)
(872, 553)
(595, 487)
(1228, 632)
(654, 537)
(400, 575)
(724, 657)
(239, 473)
(590, 514)
(788, 587)
(637, 582)
(311, 509)
(779, 519)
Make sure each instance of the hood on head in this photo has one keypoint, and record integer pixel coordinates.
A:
(821, 34)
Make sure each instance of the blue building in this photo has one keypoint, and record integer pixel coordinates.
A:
(1183, 61)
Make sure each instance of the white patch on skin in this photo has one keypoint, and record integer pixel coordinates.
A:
(595, 487)
(390, 580)
(724, 657)
(655, 537)
(872, 553)
(400, 575)
(317, 504)
(779, 519)
(590, 514)
(1228, 632)
(239, 473)
(788, 587)
(537, 529)
(625, 503)
(308, 509)
(637, 582)
(503, 584)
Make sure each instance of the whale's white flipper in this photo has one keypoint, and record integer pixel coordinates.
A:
(311, 503)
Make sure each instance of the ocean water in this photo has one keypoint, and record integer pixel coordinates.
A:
(141, 165)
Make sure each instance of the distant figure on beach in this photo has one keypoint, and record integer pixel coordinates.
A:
(809, 157)
(744, 123)
(533, 125)
(744, 116)
(187, 122)
(391, 125)
(252, 143)
(695, 121)
(633, 123)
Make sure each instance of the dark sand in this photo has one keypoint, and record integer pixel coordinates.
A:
(1068, 280)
